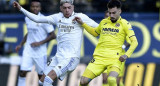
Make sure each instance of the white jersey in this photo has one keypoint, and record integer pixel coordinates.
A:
(36, 33)
(70, 33)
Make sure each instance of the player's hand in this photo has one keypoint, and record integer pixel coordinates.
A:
(78, 19)
(16, 5)
(35, 44)
(18, 48)
(123, 58)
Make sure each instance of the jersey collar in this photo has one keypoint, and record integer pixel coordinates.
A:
(116, 21)
(119, 19)
(39, 14)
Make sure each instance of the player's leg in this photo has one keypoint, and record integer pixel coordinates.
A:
(40, 64)
(63, 67)
(112, 78)
(104, 76)
(87, 76)
(94, 69)
(22, 78)
(25, 67)
(45, 79)
(120, 81)
(114, 70)
(120, 77)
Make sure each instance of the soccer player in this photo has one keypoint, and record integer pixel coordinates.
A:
(69, 38)
(120, 76)
(108, 53)
(35, 50)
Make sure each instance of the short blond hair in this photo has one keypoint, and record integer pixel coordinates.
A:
(66, 1)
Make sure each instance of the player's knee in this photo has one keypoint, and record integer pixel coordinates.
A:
(112, 79)
(84, 81)
(23, 73)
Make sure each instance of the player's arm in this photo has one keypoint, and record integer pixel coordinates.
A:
(33, 17)
(18, 47)
(88, 28)
(133, 40)
(48, 38)
(133, 45)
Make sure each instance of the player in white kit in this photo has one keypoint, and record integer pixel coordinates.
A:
(35, 50)
(69, 38)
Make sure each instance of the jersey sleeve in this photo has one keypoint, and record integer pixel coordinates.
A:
(130, 33)
(36, 18)
(88, 20)
(90, 29)
(128, 29)
(49, 28)
(52, 19)
(98, 29)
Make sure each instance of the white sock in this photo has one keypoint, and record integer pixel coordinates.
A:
(21, 81)
(47, 81)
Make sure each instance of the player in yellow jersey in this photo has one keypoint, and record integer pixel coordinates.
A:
(120, 77)
(108, 53)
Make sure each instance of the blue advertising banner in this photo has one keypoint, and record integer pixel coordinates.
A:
(146, 27)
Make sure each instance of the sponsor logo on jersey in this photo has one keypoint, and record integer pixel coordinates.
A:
(32, 30)
(110, 30)
(65, 28)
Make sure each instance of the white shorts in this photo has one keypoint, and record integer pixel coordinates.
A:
(62, 66)
(28, 62)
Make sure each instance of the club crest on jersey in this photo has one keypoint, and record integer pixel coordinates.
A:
(73, 22)
(117, 25)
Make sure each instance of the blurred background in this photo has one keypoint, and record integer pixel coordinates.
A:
(142, 69)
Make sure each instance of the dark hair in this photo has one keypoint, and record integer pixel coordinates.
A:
(114, 3)
(35, 1)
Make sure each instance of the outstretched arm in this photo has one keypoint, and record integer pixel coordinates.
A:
(88, 28)
(33, 17)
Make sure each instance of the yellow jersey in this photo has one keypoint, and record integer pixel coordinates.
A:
(112, 37)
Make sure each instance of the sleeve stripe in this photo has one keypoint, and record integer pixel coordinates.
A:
(96, 32)
(131, 36)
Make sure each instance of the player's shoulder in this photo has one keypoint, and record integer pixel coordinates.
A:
(105, 20)
(80, 14)
(27, 19)
(40, 14)
(124, 21)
